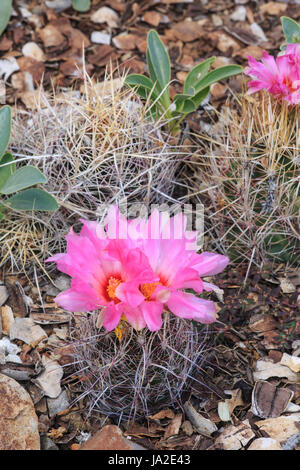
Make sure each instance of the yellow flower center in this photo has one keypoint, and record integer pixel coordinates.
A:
(148, 289)
(112, 284)
(119, 330)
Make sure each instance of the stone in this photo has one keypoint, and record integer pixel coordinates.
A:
(100, 37)
(266, 369)
(8, 66)
(239, 14)
(258, 32)
(56, 405)
(49, 379)
(106, 15)
(281, 428)
(59, 5)
(48, 444)
(264, 443)
(293, 362)
(18, 420)
(26, 330)
(110, 437)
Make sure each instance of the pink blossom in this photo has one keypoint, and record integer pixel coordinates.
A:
(140, 274)
(279, 76)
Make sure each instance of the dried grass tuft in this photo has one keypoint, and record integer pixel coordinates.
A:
(140, 375)
(95, 146)
(250, 171)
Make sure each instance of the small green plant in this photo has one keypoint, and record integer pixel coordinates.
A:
(291, 31)
(13, 180)
(157, 86)
(81, 5)
(5, 13)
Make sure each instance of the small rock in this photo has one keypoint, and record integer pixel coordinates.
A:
(281, 428)
(48, 444)
(217, 20)
(239, 14)
(258, 32)
(203, 425)
(264, 443)
(3, 289)
(51, 36)
(59, 5)
(31, 49)
(266, 369)
(49, 379)
(8, 348)
(286, 285)
(7, 318)
(18, 420)
(106, 15)
(109, 438)
(26, 330)
(56, 405)
(7, 67)
(100, 37)
(293, 362)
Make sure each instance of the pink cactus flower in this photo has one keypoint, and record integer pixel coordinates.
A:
(139, 274)
(280, 76)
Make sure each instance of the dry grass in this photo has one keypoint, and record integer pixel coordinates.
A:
(250, 170)
(141, 374)
(95, 147)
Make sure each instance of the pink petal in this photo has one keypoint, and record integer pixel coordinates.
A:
(135, 317)
(152, 313)
(74, 301)
(130, 294)
(209, 264)
(113, 313)
(189, 306)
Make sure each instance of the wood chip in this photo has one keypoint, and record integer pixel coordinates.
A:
(266, 369)
(269, 401)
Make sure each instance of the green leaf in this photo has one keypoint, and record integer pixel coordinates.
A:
(142, 84)
(217, 75)
(183, 103)
(23, 178)
(159, 64)
(197, 73)
(7, 168)
(81, 5)
(5, 128)
(5, 13)
(33, 199)
(291, 29)
(199, 97)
